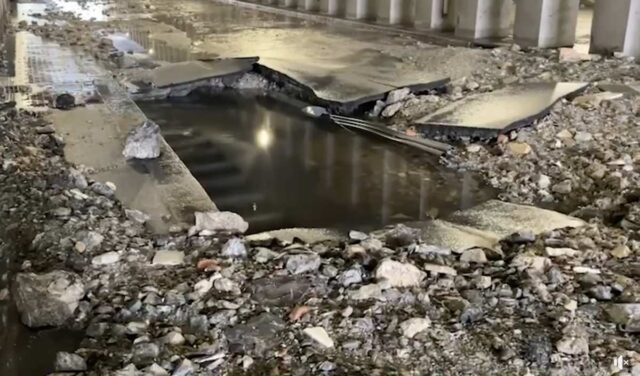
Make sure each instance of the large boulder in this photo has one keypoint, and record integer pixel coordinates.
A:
(47, 299)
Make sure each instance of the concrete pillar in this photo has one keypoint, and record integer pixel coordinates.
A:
(361, 9)
(291, 3)
(631, 45)
(396, 11)
(450, 11)
(430, 14)
(334, 7)
(312, 5)
(546, 23)
(609, 26)
(480, 19)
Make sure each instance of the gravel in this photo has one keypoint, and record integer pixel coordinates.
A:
(380, 303)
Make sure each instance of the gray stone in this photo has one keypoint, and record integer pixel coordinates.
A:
(91, 240)
(104, 189)
(285, 291)
(350, 277)
(583, 137)
(601, 292)
(413, 326)
(144, 353)
(225, 285)
(174, 338)
(208, 223)
(474, 255)
(136, 216)
(303, 263)
(391, 109)
(185, 368)
(366, 292)
(257, 336)
(143, 142)
(264, 255)
(68, 362)
(399, 274)
(47, 299)
(572, 345)
(168, 258)
(106, 259)
(440, 269)
(563, 187)
(627, 315)
(357, 235)
(397, 95)
(234, 248)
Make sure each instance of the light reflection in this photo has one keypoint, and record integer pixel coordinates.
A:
(264, 138)
(151, 51)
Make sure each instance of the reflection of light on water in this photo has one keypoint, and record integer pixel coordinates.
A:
(264, 138)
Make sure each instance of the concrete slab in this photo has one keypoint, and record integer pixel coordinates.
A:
(499, 111)
(503, 219)
(337, 64)
(307, 235)
(485, 225)
(192, 71)
(94, 137)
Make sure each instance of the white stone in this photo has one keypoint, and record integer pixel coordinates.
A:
(47, 299)
(585, 270)
(560, 252)
(398, 95)
(168, 258)
(399, 274)
(537, 263)
(474, 255)
(440, 269)
(202, 287)
(234, 248)
(106, 259)
(174, 338)
(208, 223)
(320, 336)
(414, 326)
(371, 291)
(544, 181)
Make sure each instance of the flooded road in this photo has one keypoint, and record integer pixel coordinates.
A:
(277, 168)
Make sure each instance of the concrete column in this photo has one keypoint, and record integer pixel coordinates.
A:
(361, 9)
(334, 7)
(480, 19)
(430, 14)
(450, 10)
(546, 23)
(396, 11)
(291, 3)
(311, 5)
(609, 26)
(632, 37)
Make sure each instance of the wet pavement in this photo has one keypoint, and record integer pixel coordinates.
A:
(277, 168)
(341, 65)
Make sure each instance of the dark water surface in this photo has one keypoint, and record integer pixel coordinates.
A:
(277, 168)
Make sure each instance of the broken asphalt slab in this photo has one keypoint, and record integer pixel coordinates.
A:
(483, 226)
(175, 75)
(497, 112)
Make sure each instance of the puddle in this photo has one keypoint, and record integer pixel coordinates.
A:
(277, 168)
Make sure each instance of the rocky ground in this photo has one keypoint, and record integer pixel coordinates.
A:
(211, 301)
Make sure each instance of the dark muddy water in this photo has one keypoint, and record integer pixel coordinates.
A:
(266, 161)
